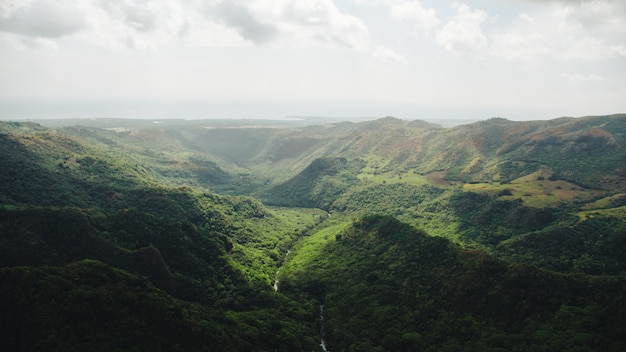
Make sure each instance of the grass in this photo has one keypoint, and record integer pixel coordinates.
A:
(391, 178)
(298, 219)
(536, 190)
(375, 163)
(309, 248)
(619, 212)
(606, 202)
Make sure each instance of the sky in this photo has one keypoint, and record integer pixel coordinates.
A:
(413, 59)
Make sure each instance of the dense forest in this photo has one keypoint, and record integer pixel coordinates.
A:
(302, 235)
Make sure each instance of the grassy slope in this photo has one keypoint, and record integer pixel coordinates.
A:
(578, 151)
(530, 183)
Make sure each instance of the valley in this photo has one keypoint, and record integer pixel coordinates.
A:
(229, 235)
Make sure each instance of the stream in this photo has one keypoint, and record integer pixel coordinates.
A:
(322, 332)
(323, 344)
(278, 271)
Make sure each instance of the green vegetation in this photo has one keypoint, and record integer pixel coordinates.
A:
(317, 186)
(91, 306)
(591, 245)
(537, 189)
(387, 286)
(212, 236)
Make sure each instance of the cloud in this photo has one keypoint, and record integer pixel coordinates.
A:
(525, 40)
(577, 77)
(142, 18)
(589, 31)
(414, 10)
(43, 19)
(111, 24)
(618, 5)
(561, 31)
(462, 34)
(130, 24)
(619, 50)
(517, 46)
(406, 10)
(320, 22)
(291, 23)
(247, 24)
(599, 17)
(385, 54)
(141, 24)
(589, 49)
(604, 16)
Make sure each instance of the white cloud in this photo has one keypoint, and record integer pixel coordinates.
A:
(17, 44)
(142, 17)
(462, 34)
(291, 23)
(619, 49)
(150, 23)
(526, 18)
(607, 15)
(319, 22)
(340, 50)
(589, 30)
(415, 11)
(519, 47)
(122, 25)
(42, 18)
(111, 24)
(247, 24)
(577, 77)
(580, 31)
(589, 49)
(385, 54)
(523, 41)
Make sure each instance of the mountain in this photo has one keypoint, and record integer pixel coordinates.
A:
(389, 235)
(585, 151)
(387, 286)
(317, 186)
(74, 208)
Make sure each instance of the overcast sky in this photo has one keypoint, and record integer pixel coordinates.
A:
(428, 59)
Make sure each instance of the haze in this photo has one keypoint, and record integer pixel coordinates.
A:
(265, 59)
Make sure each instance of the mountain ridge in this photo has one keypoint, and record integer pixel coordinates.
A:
(424, 238)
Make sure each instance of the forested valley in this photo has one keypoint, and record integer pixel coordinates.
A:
(311, 235)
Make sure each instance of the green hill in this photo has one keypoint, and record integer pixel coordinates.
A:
(497, 185)
(386, 286)
(66, 200)
(317, 186)
(586, 151)
(228, 235)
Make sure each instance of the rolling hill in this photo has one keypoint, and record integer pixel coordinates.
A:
(229, 235)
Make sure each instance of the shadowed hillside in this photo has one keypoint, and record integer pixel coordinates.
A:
(387, 286)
